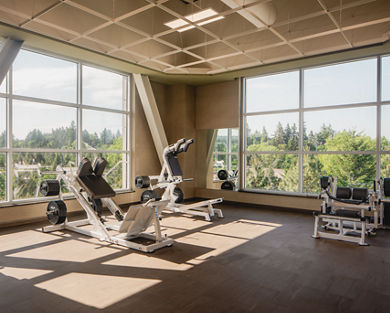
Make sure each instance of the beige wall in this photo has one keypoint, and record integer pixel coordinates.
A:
(218, 105)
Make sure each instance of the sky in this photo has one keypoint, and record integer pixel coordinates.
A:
(36, 75)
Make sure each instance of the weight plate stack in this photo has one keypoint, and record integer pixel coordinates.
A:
(50, 187)
(56, 212)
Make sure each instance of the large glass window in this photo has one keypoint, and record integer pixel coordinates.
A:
(290, 148)
(52, 125)
(226, 150)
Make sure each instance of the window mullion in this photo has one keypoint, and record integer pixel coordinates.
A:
(378, 117)
(301, 131)
(79, 113)
(9, 165)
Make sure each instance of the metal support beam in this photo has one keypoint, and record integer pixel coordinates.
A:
(8, 54)
(152, 114)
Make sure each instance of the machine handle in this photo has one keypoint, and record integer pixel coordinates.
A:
(187, 144)
(178, 144)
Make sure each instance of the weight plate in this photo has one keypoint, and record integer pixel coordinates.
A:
(147, 195)
(179, 194)
(227, 185)
(49, 187)
(56, 212)
(222, 174)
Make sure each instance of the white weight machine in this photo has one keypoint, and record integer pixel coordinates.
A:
(92, 191)
(349, 214)
(171, 175)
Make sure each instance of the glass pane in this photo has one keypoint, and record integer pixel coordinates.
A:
(354, 170)
(352, 82)
(41, 76)
(221, 143)
(29, 166)
(235, 141)
(103, 89)
(273, 92)
(385, 165)
(40, 125)
(115, 172)
(234, 162)
(3, 122)
(273, 132)
(3, 180)
(103, 130)
(220, 162)
(385, 140)
(386, 78)
(272, 172)
(340, 130)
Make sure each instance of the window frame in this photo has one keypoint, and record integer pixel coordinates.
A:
(229, 153)
(301, 110)
(9, 150)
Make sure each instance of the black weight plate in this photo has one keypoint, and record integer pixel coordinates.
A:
(179, 194)
(56, 212)
(147, 195)
(386, 186)
(222, 174)
(142, 181)
(227, 185)
(50, 187)
(97, 206)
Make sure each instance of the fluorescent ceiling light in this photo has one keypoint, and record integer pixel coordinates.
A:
(194, 18)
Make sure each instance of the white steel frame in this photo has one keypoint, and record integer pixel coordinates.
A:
(79, 106)
(301, 110)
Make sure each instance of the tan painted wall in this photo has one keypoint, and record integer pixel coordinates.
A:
(218, 105)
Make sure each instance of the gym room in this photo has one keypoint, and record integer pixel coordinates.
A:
(188, 156)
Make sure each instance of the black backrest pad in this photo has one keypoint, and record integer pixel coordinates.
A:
(99, 166)
(343, 192)
(95, 186)
(174, 165)
(324, 181)
(85, 168)
(360, 194)
(386, 187)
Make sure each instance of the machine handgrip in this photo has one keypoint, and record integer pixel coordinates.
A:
(187, 144)
(178, 144)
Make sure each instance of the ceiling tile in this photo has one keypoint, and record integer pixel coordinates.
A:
(150, 48)
(150, 21)
(187, 9)
(93, 45)
(369, 35)
(49, 31)
(113, 9)
(322, 44)
(255, 40)
(71, 18)
(275, 54)
(10, 18)
(28, 8)
(116, 35)
(234, 61)
(287, 9)
(213, 50)
(187, 39)
(307, 27)
(178, 59)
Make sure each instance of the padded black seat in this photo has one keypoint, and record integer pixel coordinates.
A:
(347, 213)
(94, 185)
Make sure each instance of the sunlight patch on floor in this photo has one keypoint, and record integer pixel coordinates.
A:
(23, 239)
(23, 273)
(147, 261)
(69, 250)
(99, 291)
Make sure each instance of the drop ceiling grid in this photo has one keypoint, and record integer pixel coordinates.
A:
(119, 36)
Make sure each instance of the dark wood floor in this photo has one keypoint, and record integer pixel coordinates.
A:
(253, 260)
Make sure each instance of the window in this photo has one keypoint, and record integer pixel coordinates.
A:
(52, 125)
(331, 130)
(226, 150)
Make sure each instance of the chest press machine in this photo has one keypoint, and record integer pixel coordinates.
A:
(349, 214)
(171, 175)
(92, 191)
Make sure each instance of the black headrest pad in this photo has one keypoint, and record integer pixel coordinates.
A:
(343, 192)
(360, 194)
(99, 166)
(85, 168)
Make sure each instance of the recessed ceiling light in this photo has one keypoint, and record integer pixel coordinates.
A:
(194, 18)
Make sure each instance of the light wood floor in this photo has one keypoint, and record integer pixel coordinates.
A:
(253, 260)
